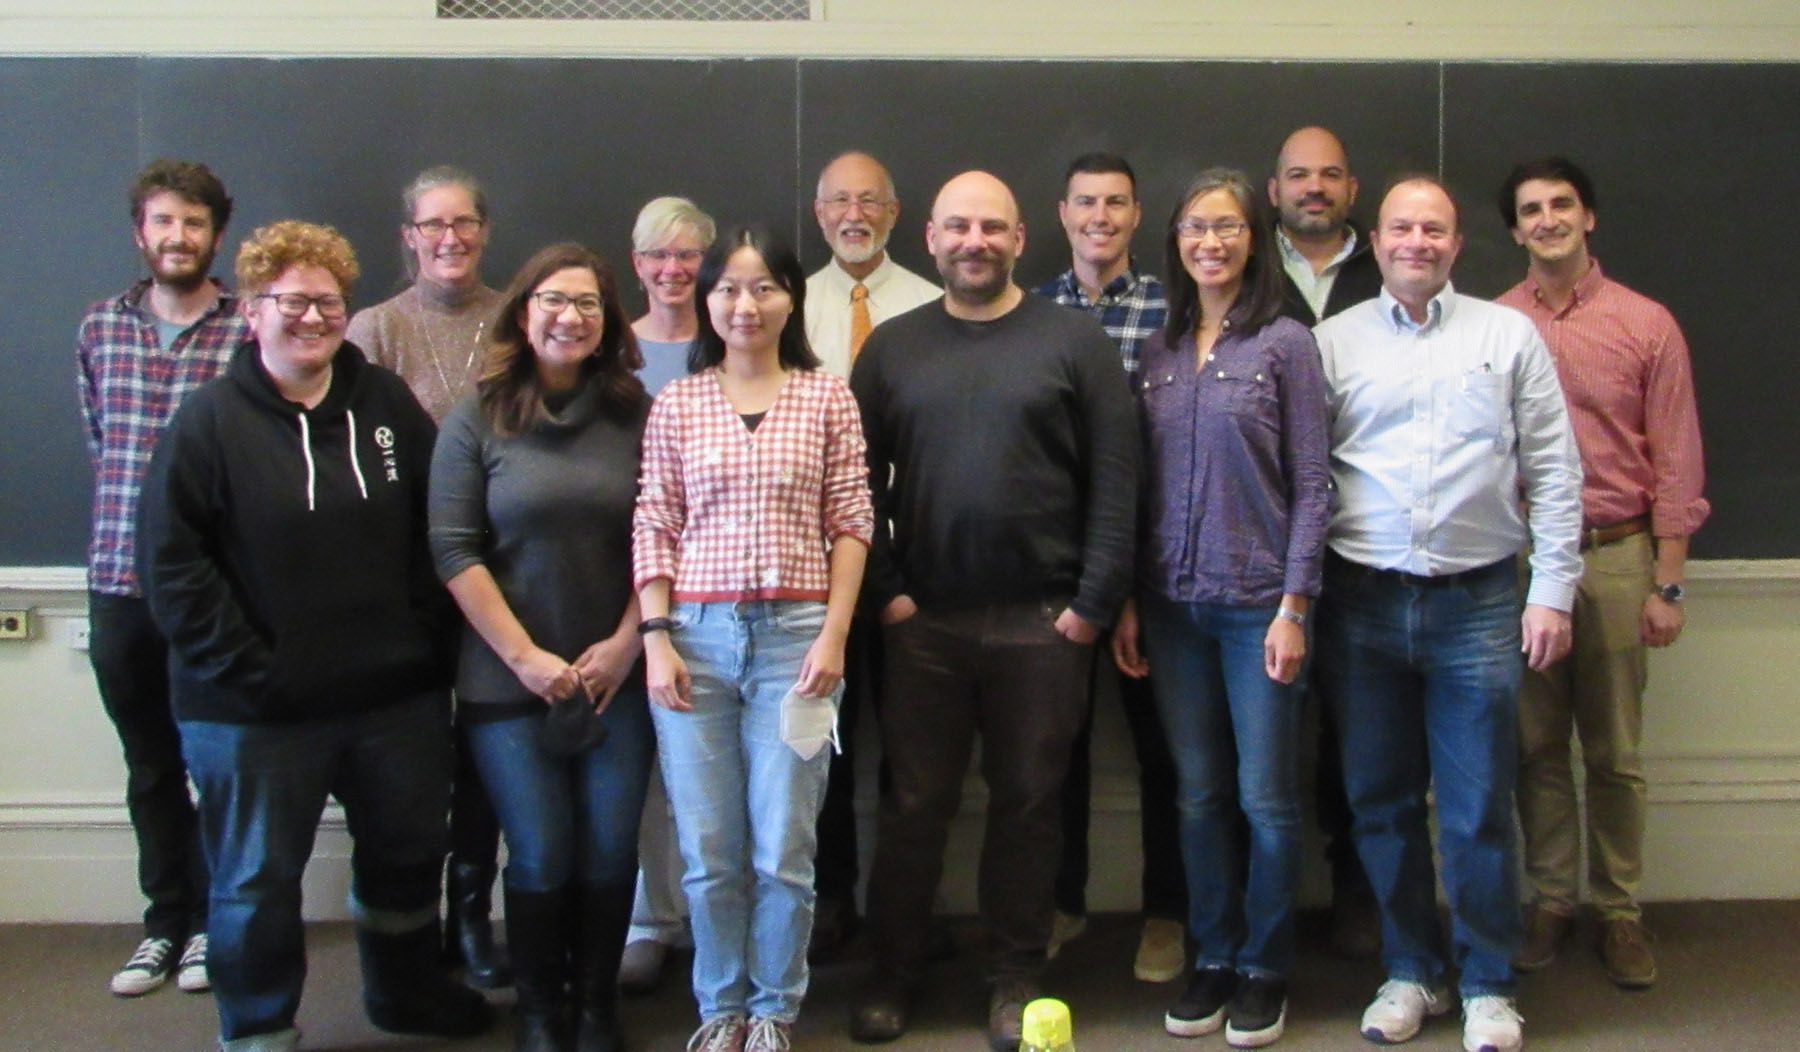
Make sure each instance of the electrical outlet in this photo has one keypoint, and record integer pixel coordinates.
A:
(15, 624)
(75, 633)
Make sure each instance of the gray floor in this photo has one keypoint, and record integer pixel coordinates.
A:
(1728, 982)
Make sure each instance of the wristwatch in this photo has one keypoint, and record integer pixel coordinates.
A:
(1671, 593)
(1295, 616)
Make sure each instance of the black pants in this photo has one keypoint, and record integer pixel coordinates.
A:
(835, 866)
(1006, 674)
(1162, 886)
(131, 667)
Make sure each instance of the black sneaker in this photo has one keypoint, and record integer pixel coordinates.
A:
(1258, 1012)
(1201, 1008)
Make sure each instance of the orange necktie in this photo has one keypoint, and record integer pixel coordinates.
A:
(859, 318)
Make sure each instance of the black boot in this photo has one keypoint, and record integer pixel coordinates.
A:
(604, 912)
(537, 930)
(407, 991)
(469, 931)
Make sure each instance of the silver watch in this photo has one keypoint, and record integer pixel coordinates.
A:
(1671, 593)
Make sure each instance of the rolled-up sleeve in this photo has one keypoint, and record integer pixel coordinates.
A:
(661, 507)
(847, 508)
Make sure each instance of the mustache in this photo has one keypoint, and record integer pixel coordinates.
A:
(975, 255)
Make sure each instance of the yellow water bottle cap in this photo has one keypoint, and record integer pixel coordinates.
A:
(1046, 1024)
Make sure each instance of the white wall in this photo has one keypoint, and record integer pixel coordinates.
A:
(1725, 750)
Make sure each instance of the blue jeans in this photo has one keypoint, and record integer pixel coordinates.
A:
(568, 818)
(1234, 735)
(262, 790)
(1424, 681)
(745, 804)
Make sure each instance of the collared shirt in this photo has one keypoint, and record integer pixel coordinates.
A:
(1130, 308)
(130, 385)
(1315, 287)
(727, 513)
(1625, 371)
(1439, 430)
(1237, 481)
(892, 290)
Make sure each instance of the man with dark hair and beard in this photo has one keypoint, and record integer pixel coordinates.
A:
(138, 354)
(1003, 456)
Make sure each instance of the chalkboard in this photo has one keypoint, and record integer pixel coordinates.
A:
(571, 148)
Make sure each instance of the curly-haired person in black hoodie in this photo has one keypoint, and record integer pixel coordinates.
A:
(284, 554)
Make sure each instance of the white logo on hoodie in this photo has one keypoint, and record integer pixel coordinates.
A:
(390, 464)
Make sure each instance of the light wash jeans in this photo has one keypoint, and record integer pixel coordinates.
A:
(745, 804)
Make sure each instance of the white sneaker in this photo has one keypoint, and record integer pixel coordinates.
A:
(190, 974)
(1064, 927)
(1161, 952)
(147, 969)
(1400, 1008)
(1492, 1024)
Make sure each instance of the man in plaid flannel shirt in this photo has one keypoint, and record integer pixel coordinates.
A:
(1100, 213)
(137, 355)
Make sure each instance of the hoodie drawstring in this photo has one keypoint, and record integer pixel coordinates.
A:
(312, 474)
(306, 452)
(355, 468)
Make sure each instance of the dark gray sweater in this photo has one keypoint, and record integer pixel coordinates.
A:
(1014, 450)
(549, 514)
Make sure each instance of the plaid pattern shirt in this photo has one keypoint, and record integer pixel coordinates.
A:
(730, 514)
(1130, 308)
(130, 386)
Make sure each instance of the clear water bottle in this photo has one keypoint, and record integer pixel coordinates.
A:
(1047, 1027)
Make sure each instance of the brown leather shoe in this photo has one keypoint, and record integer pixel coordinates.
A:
(1545, 931)
(1006, 1011)
(1626, 948)
(882, 1008)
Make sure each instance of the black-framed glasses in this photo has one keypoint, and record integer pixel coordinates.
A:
(550, 301)
(1223, 229)
(294, 304)
(465, 226)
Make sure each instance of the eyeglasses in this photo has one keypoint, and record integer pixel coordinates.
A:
(550, 301)
(295, 304)
(660, 256)
(841, 203)
(465, 226)
(1224, 229)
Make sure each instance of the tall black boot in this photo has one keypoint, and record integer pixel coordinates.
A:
(604, 920)
(537, 929)
(468, 929)
(407, 991)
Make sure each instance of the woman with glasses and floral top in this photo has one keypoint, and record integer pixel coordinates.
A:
(751, 530)
(432, 334)
(532, 487)
(1237, 490)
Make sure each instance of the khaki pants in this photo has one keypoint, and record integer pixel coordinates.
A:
(1596, 693)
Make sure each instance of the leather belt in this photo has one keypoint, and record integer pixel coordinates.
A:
(1600, 535)
(1338, 563)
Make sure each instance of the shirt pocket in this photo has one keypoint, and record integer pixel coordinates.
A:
(1243, 389)
(1482, 410)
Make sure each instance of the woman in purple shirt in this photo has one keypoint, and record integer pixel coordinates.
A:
(1234, 513)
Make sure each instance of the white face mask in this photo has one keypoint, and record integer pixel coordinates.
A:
(808, 724)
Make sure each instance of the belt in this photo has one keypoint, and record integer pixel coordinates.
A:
(1340, 564)
(1600, 535)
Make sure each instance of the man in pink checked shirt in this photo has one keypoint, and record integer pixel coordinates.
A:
(1625, 373)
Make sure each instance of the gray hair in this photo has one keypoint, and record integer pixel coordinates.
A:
(435, 178)
(663, 217)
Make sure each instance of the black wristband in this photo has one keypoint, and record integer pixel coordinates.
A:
(655, 624)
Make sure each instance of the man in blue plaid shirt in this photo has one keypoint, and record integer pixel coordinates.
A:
(137, 355)
(1100, 212)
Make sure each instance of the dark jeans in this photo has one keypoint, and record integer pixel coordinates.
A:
(1005, 673)
(835, 866)
(131, 667)
(1424, 680)
(262, 790)
(568, 818)
(1161, 885)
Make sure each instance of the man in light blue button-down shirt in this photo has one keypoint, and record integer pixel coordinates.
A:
(1451, 452)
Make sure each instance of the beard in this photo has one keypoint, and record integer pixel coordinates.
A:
(975, 289)
(854, 253)
(182, 277)
(1303, 222)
